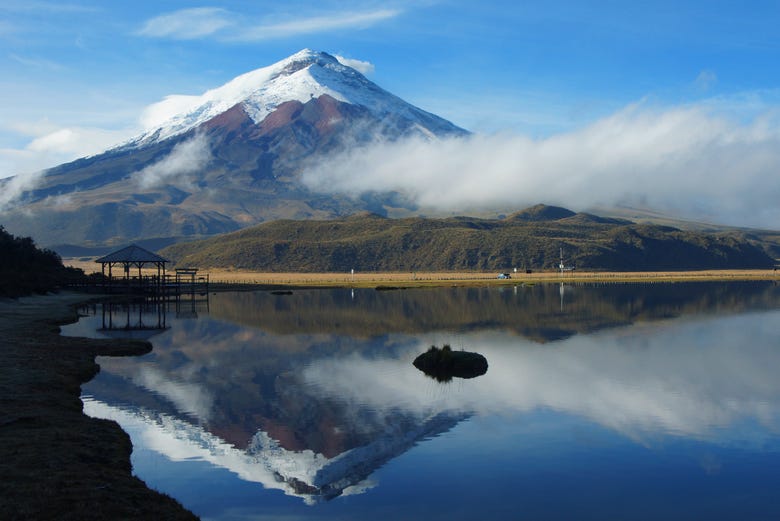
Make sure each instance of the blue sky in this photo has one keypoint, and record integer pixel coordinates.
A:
(76, 75)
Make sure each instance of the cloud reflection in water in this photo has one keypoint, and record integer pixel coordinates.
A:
(685, 378)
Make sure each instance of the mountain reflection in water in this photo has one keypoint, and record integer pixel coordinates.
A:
(311, 393)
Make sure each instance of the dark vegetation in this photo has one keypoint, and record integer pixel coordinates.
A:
(55, 462)
(444, 364)
(26, 269)
(530, 239)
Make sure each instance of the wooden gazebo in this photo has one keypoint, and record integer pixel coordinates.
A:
(134, 257)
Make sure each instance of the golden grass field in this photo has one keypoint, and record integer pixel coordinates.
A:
(370, 279)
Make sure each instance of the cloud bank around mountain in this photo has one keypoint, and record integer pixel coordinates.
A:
(186, 158)
(688, 161)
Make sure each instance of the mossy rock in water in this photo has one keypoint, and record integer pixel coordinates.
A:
(444, 364)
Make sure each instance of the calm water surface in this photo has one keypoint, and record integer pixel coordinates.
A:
(624, 401)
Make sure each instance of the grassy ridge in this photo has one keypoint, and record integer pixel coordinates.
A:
(530, 239)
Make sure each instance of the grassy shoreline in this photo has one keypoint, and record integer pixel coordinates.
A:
(56, 462)
(233, 277)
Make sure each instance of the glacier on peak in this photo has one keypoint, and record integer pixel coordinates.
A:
(302, 76)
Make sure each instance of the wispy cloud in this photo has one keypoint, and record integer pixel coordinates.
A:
(359, 65)
(48, 7)
(683, 160)
(37, 63)
(202, 22)
(74, 140)
(14, 188)
(50, 144)
(156, 114)
(316, 24)
(185, 159)
(187, 24)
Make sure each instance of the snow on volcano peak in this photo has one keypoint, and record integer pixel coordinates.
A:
(305, 75)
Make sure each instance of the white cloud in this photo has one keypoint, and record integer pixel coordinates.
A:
(75, 142)
(35, 128)
(37, 63)
(315, 24)
(201, 22)
(53, 145)
(56, 7)
(186, 158)
(157, 114)
(13, 188)
(685, 160)
(360, 66)
(187, 24)
(96, 119)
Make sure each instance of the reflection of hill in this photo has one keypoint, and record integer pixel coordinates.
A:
(542, 312)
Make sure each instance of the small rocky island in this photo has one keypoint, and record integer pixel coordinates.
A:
(444, 364)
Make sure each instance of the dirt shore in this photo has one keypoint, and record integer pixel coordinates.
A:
(56, 462)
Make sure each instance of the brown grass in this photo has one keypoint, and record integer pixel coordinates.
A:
(368, 279)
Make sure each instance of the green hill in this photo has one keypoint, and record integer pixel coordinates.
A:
(530, 239)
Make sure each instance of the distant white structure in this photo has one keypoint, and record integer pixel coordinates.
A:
(562, 266)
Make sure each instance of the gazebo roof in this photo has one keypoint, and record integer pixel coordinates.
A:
(132, 253)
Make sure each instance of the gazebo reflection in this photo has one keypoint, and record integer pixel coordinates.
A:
(133, 318)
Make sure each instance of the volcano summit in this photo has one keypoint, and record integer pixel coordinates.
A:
(226, 159)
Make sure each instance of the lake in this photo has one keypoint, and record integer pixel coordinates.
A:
(611, 401)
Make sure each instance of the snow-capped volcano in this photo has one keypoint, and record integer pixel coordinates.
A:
(231, 157)
(301, 77)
